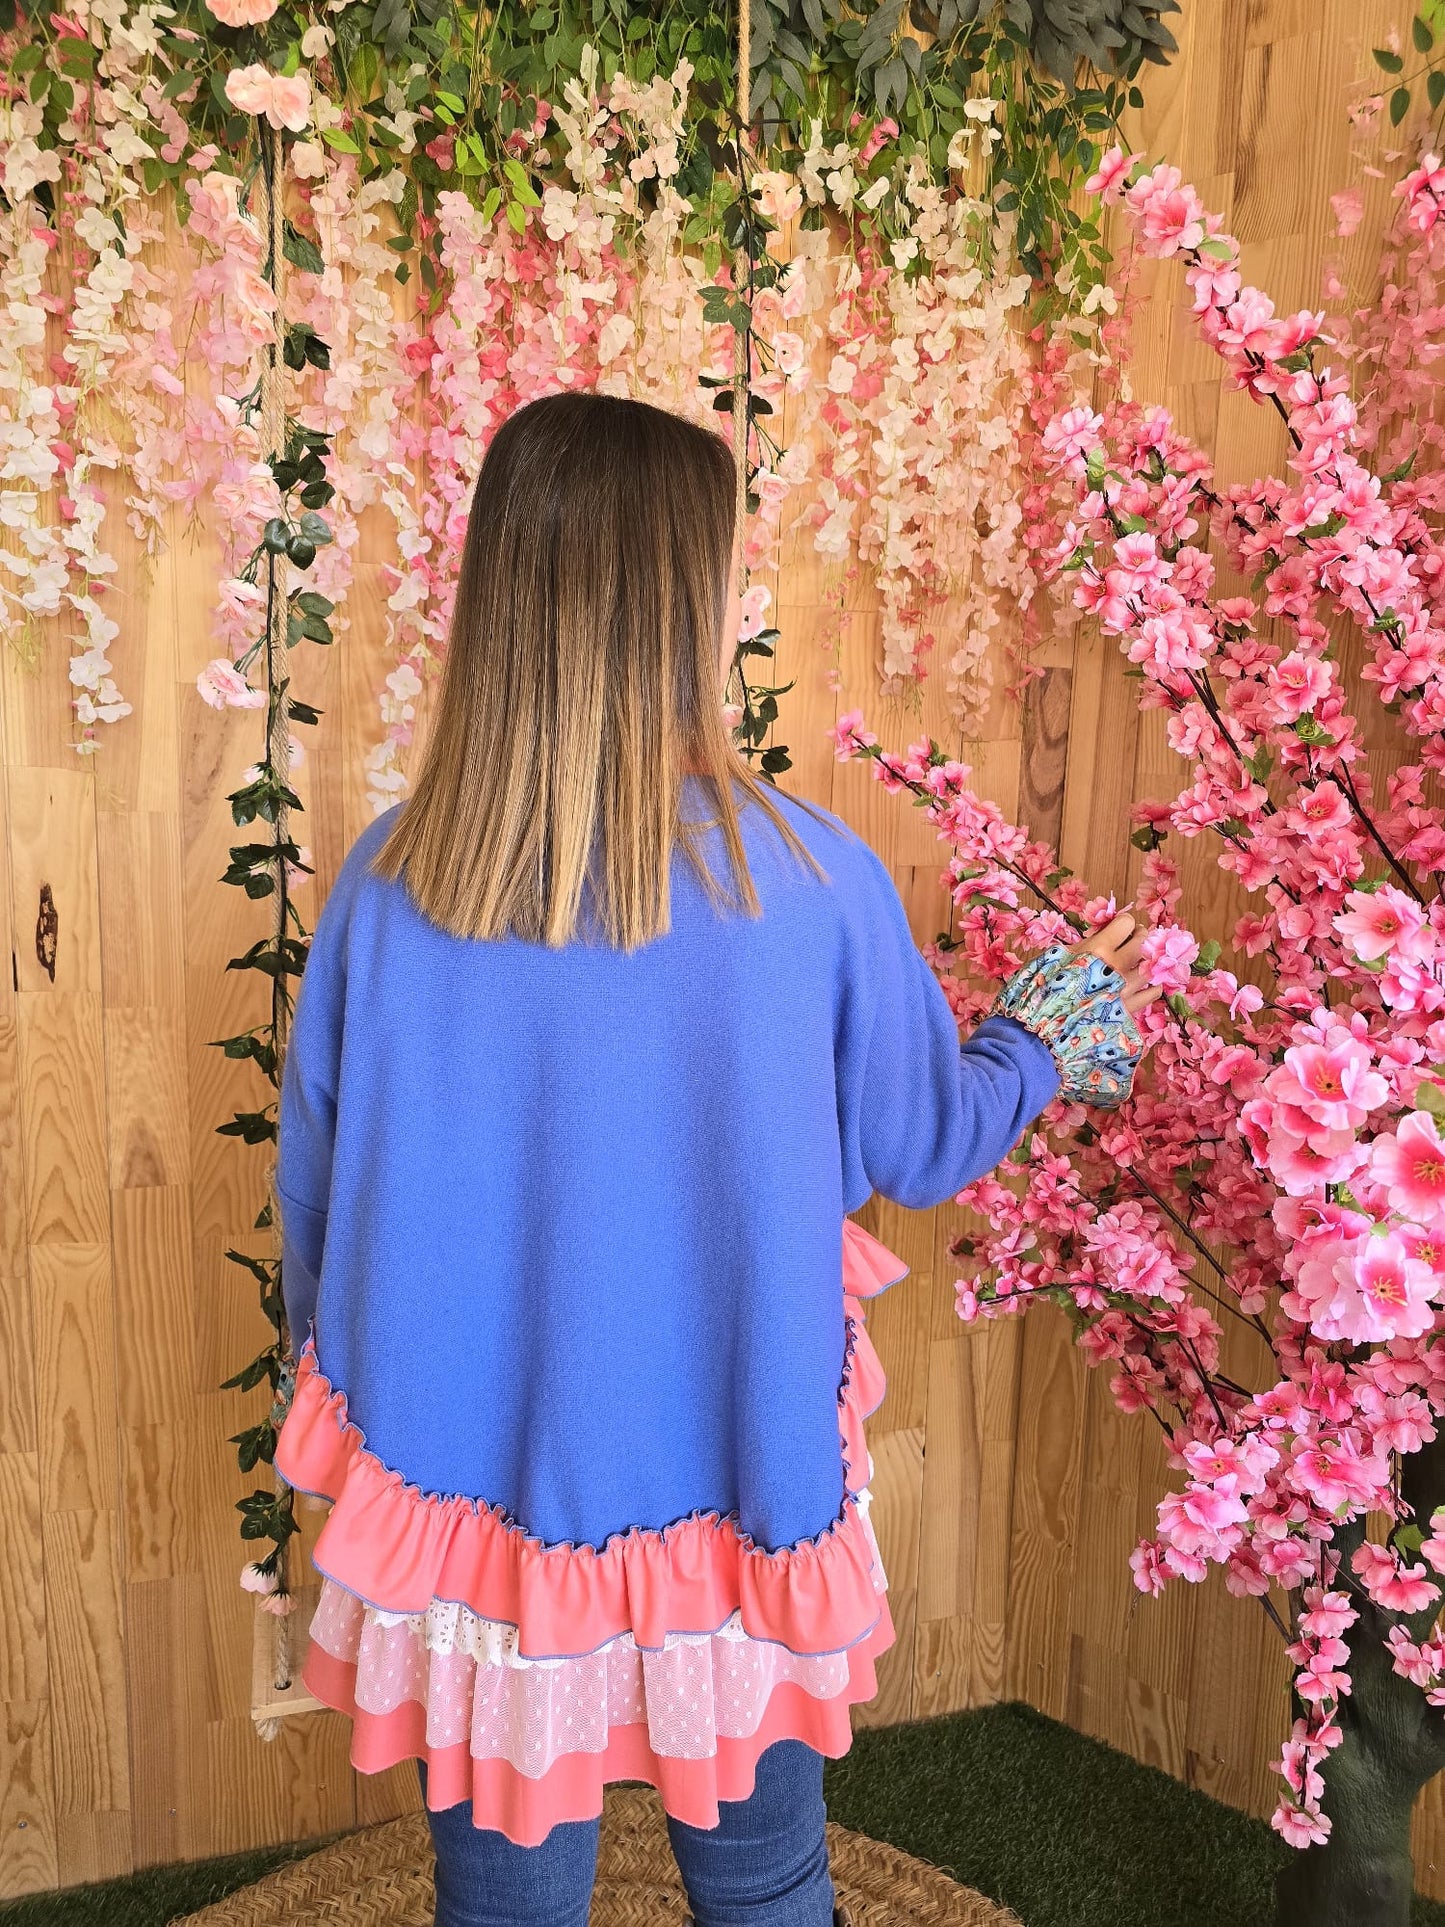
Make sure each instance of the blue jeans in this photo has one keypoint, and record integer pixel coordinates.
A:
(765, 1864)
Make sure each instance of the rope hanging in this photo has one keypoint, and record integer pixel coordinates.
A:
(278, 732)
(742, 340)
(273, 436)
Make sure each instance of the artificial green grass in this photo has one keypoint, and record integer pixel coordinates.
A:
(152, 1898)
(1065, 1831)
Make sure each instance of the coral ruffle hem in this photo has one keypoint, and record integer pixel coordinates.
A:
(528, 1675)
(526, 1808)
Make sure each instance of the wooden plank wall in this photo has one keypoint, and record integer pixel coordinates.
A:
(1009, 1492)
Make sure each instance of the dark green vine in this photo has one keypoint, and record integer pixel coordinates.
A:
(745, 231)
(262, 868)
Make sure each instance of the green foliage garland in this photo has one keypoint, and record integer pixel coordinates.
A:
(262, 867)
(391, 76)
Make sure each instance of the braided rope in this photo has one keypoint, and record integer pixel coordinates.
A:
(741, 339)
(273, 436)
(278, 737)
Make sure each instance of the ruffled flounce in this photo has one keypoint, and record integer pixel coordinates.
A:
(868, 1267)
(462, 1724)
(530, 1674)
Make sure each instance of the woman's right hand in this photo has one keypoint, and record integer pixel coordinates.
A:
(1120, 945)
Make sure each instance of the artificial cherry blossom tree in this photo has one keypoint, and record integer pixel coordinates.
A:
(1279, 1165)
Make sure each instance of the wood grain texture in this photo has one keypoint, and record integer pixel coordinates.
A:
(1008, 1490)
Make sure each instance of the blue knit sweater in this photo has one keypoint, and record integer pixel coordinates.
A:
(568, 1222)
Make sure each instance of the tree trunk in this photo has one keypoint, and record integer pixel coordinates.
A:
(1363, 1875)
(1394, 1743)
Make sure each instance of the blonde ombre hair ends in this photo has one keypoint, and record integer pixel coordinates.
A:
(582, 680)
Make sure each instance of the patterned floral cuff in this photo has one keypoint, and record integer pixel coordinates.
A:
(1070, 1000)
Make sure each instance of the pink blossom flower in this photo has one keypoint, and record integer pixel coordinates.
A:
(1137, 562)
(1418, 1664)
(778, 195)
(1373, 924)
(1410, 1163)
(1193, 575)
(849, 737)
(1248, 324)
(223, 686)
(1432, 1549)
(1319, 1683)
(1367, 1291)
(1426, 1248)
(255, 308)
(1113, 171)
(242, 13)
(1320, 810)
(1300, 1826)
(1297, 1765)
(1423, 192)
(1333, 1085)
(1333, 1475)
(885, 131)
(753, 611)
(1213, 284)
(1168, 955)
(1349, 210)
(283, 100)
(1147, 1562)
(790, 352)
(254, 1580)
(1326, 1614)
(1172, 639)
(1390, 1583)
(1296, 684)
(1073, 434)
(1171, 216)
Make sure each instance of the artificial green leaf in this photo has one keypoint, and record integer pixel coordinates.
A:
(521, 187)
(301, 252)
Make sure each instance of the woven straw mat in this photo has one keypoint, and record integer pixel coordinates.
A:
(383, 1878)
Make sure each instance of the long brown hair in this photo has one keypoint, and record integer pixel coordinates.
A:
(582, 680)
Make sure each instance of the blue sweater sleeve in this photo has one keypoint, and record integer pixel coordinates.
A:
(309, 1082)
(922, 1115)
